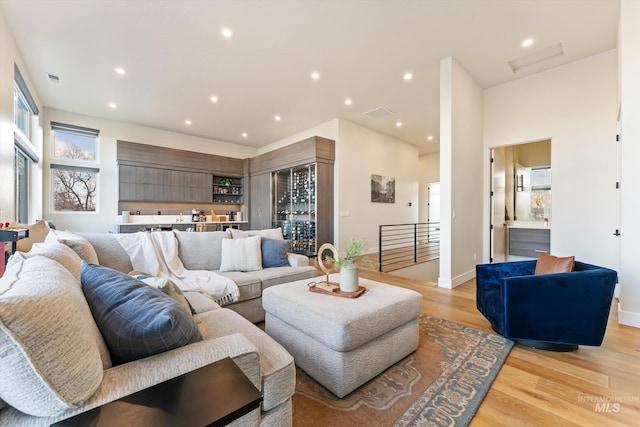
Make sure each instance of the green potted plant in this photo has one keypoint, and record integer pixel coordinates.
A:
(347, 264)
(226, 181)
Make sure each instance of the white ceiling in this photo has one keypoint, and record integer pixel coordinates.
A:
(176, 58)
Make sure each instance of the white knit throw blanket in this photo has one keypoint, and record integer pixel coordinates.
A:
(156, 254)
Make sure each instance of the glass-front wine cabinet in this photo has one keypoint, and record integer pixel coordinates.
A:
(293, 206)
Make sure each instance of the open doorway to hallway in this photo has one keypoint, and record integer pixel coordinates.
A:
(520, 200)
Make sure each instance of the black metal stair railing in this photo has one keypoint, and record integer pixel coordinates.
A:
(403, 245)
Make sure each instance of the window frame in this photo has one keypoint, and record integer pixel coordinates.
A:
(74, 165)
(77, 131)
(23, 144)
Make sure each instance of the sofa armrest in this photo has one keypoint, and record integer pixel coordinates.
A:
(297, 260)
(494, 273)
(129, 378)
(554, 307)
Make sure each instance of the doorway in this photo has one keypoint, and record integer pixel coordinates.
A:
(520, 194)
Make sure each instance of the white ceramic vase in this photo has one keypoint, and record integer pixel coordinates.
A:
(349, 278)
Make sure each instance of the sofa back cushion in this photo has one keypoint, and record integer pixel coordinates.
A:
(50, 360)
(201, 251)
(269, 233)
(58, 252)
(110, 253)
(79, 244)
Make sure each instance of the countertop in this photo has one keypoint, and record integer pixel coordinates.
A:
(530, 224)
(170, 219)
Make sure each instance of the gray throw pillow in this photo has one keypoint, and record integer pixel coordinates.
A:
(274, 253)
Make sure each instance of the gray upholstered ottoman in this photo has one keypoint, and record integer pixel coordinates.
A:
(343, 343)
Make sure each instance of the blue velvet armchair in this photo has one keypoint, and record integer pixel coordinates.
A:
(552, 311)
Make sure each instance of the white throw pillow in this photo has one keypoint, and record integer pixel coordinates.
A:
(49, 361)
(241, 254)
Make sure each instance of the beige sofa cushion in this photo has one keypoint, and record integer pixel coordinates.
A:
(201, 251)
(79, 244)
(60, 253)
(49, 360)
(268, 233)
(110, 253)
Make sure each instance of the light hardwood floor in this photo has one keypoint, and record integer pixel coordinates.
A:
(593, 386)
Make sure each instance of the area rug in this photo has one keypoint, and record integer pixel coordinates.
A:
(440, 384)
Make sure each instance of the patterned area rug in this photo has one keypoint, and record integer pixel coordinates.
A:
(440, 384)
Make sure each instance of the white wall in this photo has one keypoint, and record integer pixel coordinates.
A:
(9, 55)
(629, 274)
(461, 169)
(361, 152)
(429, 166)
(574, 106)
(110, 132)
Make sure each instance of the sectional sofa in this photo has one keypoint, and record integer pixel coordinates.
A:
(58, 360)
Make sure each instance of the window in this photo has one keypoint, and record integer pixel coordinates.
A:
(74, 142)
(74, 180)
(22, 186)
(24, 107)
(24, 110)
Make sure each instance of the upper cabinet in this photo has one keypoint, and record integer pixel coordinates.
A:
(141, 183)
(154, 174)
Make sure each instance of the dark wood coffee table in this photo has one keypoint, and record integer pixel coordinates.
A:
(214, 395)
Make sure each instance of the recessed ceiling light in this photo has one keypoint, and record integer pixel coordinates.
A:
(244, 134)
(348, 101)
(214, 99)
(399, 124)
(407, 76)
(429, 138)
(315, 75)
(277, 118)
(187, 122)
(527, 42)
(120, 70)
(226, 32)
(113, 105)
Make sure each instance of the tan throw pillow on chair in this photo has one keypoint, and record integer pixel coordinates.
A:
(549, 264)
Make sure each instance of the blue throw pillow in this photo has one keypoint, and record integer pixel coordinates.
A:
(274, 253)
(135, 319)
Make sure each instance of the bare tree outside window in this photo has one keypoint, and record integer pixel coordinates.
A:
(74, 189)
(75, 185)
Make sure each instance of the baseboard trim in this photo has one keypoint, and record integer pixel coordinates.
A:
(628, 318)
(456, 281)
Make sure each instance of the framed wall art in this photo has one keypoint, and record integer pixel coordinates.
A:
(383, 189)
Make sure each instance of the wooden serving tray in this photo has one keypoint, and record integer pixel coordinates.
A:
(338, 292)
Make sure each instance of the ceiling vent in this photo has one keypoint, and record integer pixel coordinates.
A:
(378, 113)
(53, 78)
(536, 57)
